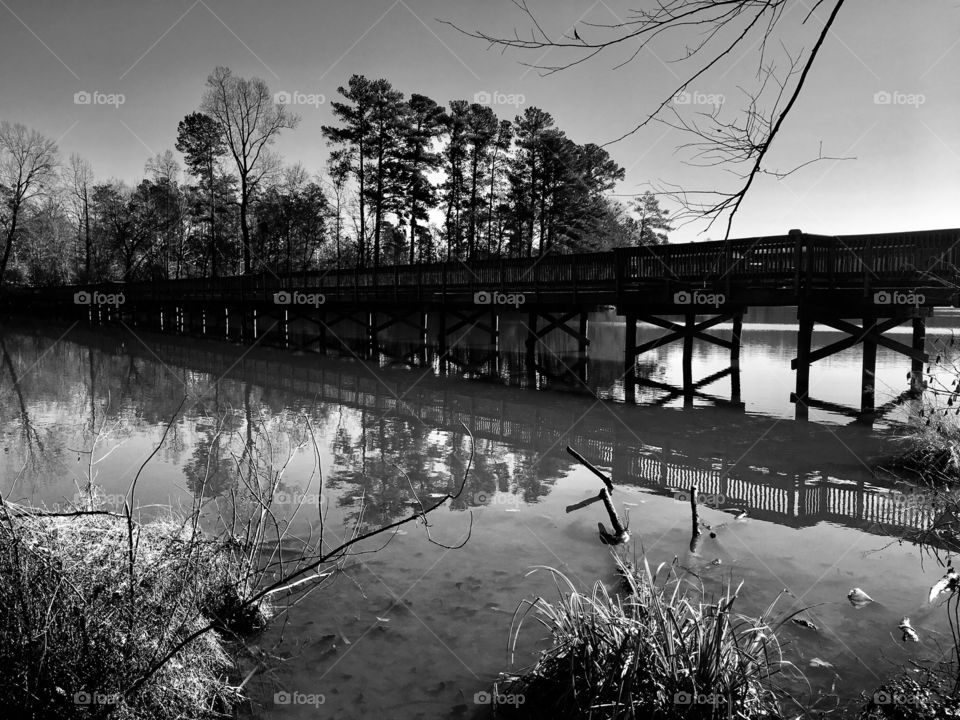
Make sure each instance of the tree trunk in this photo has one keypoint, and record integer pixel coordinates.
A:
(213, 224)
(362, 240)
(378, 205)
(9, 244)
(493, 177)
(244, 230)
(472, 248)
(87, 240)
(338, 231)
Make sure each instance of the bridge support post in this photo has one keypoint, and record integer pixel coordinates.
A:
(804, 340)
(630, 358)
(373, 348)
(869, 368)
(691, 320)
(442, 340)
(735, 341)
(582, 344)
(424, 332)
(530, 353)
(494, 341)
(735, 358)
(916, 364)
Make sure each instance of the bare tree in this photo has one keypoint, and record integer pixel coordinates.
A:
(78, 180)
(163, 167)
(28, 165)
(251, 121)
(716, 30)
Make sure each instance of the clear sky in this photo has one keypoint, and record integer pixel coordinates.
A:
(906, 174)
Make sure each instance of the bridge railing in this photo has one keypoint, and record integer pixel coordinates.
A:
(797, 260)
(808, 260)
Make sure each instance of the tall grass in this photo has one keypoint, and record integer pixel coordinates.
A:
(660, 650)
(76, 628)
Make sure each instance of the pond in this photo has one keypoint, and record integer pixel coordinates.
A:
(416, 630)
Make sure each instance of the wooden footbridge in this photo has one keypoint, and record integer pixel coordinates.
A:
(861, 285)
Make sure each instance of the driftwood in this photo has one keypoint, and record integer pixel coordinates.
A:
(696, 536)
(620, 533)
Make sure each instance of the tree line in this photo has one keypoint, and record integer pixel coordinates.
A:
(407, 180)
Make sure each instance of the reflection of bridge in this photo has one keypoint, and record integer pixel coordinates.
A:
(545, 423)
(861, 285)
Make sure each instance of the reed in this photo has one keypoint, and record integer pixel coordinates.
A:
(662, 649)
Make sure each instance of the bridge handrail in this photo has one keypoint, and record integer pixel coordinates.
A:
(799, 259)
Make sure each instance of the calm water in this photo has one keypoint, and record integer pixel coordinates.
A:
(414, 631)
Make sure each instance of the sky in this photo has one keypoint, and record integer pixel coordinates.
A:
(885, 92)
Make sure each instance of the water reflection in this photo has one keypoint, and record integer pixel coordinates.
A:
(387, 436)
(418, 428)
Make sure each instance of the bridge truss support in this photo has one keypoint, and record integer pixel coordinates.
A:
(536, 334)
(484, 319)
(686, 333)
(870, 334)
(399, 317)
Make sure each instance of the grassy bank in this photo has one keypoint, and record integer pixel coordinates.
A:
(91, 629)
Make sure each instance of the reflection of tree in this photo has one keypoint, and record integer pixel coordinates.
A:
(374, 465)
(210, 470)
(30, 441)
(393, 461)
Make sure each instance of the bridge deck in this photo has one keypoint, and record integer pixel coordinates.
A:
(788, 269)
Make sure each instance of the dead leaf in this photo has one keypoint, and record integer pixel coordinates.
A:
(858, 598)
(947, 582)
(908, 632)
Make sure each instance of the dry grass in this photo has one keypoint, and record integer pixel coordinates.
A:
(79, 619)
(661, 650)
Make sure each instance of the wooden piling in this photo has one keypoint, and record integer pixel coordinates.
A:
(691, 320)
(868, 372)
(804, 340)
(630, 358)
(916, 365)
